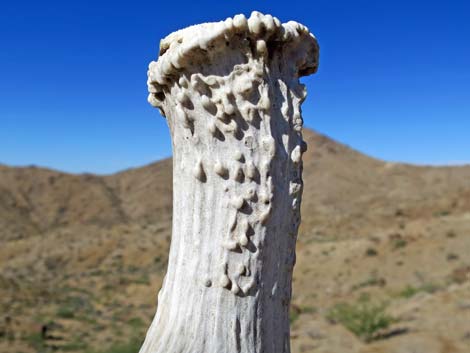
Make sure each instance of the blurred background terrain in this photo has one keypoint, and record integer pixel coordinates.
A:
(383, 261)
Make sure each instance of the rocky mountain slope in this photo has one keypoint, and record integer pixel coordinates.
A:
(383, 256)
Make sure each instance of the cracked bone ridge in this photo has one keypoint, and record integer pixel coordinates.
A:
(231, 94)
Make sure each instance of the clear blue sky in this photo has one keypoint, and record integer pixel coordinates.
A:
(394, 77)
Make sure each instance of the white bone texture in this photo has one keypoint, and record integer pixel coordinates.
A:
(231, 94)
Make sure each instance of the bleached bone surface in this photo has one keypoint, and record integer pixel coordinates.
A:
(231, 94)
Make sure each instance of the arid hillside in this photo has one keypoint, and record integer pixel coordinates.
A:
(383, 261)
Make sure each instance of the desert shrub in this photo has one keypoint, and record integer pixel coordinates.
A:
(371, 252)
(399, 243)
(136, 323)
(410, 291)
(442, 213)
(295, 312)
(308, 310)
(144, 279)
(372, 281)
(451, 234)
(452, 256)
(35, 340)
(65, 312)
(132, 346)
(72, 305)
(429, 287)
(363, 318)
(293, 316)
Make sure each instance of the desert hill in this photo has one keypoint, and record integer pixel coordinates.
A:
(82, 256)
